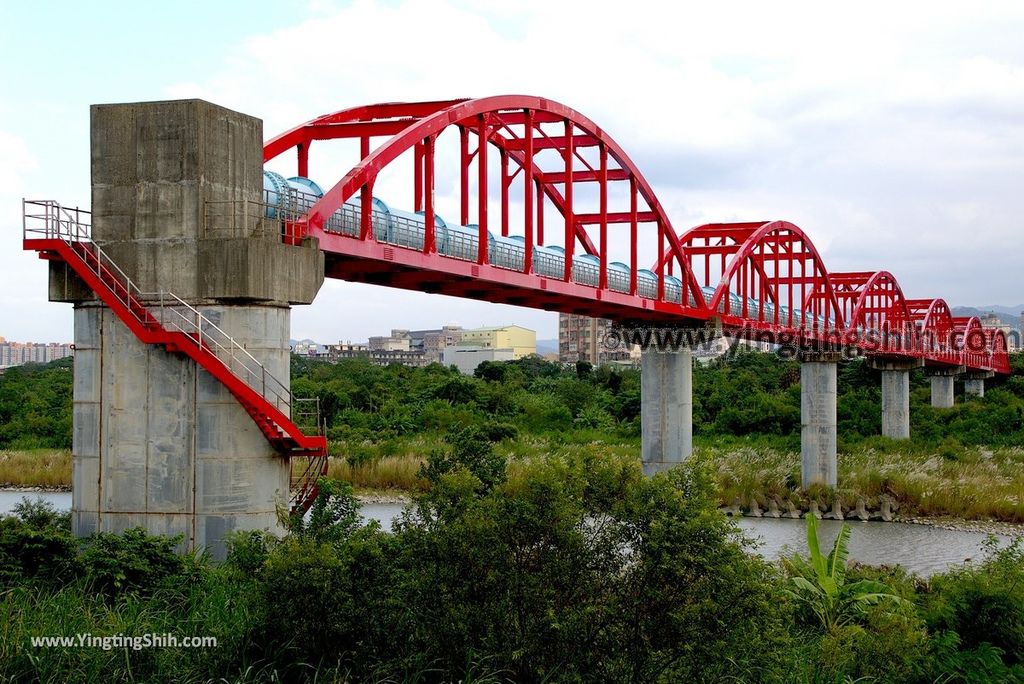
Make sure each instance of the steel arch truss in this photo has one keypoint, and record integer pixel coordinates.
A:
(998, 351)
(935, 327)
(520, 129)
(877, 316)
(972, 340)
(763, 279)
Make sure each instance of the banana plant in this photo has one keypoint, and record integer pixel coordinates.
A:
(820, 582)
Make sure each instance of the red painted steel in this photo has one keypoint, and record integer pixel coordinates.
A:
(114, 290)
(763, 280)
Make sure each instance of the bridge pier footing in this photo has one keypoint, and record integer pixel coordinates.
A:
(942, 380)
(895, 394)
(818, 377)
(666, 407)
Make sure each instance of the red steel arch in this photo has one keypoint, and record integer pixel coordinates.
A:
(876, 311)
(514, 124)
(999, 355)
(971, 339)
(935, 327)
(764, 274)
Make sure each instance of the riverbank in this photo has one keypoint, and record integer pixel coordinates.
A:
(965, 488)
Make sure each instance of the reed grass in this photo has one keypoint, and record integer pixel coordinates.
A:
(972, 483)
(49, 468)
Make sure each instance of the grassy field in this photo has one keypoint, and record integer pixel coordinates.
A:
(35, 468)
(972, 483)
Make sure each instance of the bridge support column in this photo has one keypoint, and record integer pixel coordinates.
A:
(974, 383)
(666, 407)
(942, 380)
(895, 394)
(818, 418)
(160, 443)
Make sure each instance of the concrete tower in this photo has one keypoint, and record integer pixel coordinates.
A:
(158, 442)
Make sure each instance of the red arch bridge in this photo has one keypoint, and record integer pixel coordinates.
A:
(553, 214)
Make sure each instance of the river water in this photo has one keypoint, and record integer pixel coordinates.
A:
(919, 548)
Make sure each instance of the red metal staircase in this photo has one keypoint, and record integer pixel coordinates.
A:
(162, 318)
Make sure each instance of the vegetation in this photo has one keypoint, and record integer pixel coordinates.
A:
(578, 569)
(965, 462)
(820, 583)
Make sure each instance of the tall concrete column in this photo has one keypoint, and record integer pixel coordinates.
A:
(942, 379)
(818, 418)
(666, 407)
(974, 383)
(895, 394)
(158, 442)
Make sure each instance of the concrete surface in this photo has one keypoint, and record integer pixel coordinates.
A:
(158, 442)
(818, 419)
(666, 407)
(942, 381)
(895, 394)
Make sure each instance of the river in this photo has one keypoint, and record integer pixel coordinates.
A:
(919, 548)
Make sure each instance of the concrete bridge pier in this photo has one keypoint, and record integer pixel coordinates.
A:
(942, 380)
(158, 442)
(895, 394)
(666, 393)
(818, 370)
(666, 407)
(974, 383)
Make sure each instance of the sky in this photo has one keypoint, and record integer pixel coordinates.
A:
(892, 133)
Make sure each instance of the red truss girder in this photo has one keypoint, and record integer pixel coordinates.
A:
(935, 328)
(768, 261)
(875, 302)
(761, 278)
(518, 127)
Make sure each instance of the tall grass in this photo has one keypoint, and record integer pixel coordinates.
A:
(35, 468)
(973, 483)
(215, 606)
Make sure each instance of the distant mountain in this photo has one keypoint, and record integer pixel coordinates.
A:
(1011, 310)
(1007, 314)
(547, 347)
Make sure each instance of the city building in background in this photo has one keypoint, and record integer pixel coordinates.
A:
(993, 320)
(581, 338)
(522, 341)
(433, 342)
(20, 353)
(397, 341)
(466, 358)
(416, 348)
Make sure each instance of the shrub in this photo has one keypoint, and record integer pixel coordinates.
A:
(470, 449)
(29, 550)
(133, 561)
(983, 604)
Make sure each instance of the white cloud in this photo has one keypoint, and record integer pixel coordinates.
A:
(892, 133)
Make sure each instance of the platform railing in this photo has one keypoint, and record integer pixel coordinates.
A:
(46, 219)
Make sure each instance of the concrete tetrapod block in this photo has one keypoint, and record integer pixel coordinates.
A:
(836, 513)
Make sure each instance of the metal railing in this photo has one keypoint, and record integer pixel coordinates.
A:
(46, 219)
